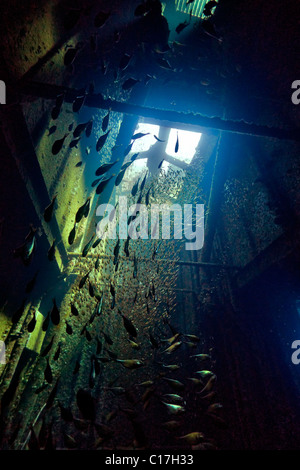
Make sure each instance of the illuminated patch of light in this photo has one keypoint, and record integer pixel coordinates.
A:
(188, 142)
(196, 7)
(144, 143)
(139, 165)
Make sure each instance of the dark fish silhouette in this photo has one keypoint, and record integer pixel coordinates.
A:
(105, 168)
(47, 348)
(100, 19)
(57, 353)
(79, 164)
(80, 129)
(70, 55)
(138, 135)
(120, 177)
(78, 103)
(69, 329)
(97, 262)
(124, 61)
(26, 250)
(160, 165)
(48, 373)
(87, 246)
(72, 235)
(89, 128)
(76, 368)
(57, 146)
(135, 188)
(46, 322)
(158, 140)
(74, 143)
(181, 26)
(18, 313)
(51, 252)
(105, 122)
(116, 251)
(103, 184)
(129, 83)
(108, 339)
(32, 323)
(55, 316)
(177, 144)
(70, 127)
(83, 211)
(74, 310)
(52, 130)
(128, 325)
(49, 210)
(134, 156)
(101, 141)
(31, 283)
(83, 280)
(143, 183)
(128, 148)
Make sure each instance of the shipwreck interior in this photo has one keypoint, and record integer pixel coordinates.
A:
(139, 342)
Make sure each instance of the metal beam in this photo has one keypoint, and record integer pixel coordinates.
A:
(164, 117)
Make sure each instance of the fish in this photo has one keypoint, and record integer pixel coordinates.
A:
(208, 7)
(72, 235)
(74, 310)
(174, 409)
(105, 122)
(128, 325)
(209, 385)
(120, 177)
(143, 183)
(129, 83)
(171, 425)
(91, 289)
(147, 199)
(192, 438)
(154, 343)
(126, 152)
(51, 251)
(134, 156)
(83, 280)
(48, 347)
(70, 55)
(89, 128)
(55, 112)
(83, 211)
(202, 357)
(100, 19)
(78, 103)
(71, 127)
(97, 263)
(107, 338)
(134, 267)
(126, 165)
(87, 246)
(57, 146)
(69, 329)
(105, 168)
(172, 339)
(99, 346)
(181, 27)
(74, 143)
(134, 345)
(46, 322)
(158, 140)
(205, 373)
(135, 188)
(192, 337)
(41, 389)
(173, 397)
(138, 135)
(48, 212)
(48, 373)
(146, 383)
(177, 144)
(80, 129)
(52, 395)
(76, 368)
(79, 164)
(126, 246)
(130, 363)
(86, 404)
(111, 354)
(214, 407)
(26, 250)
(32, 323)
(102, 185)
(175, 384)
(30, 285)
(52, 130)
(124, 62)
(171, 366)
(164, 63)
(96, 243)
(55, 316)
(95, 182)
(116, 251)
(101, 141)
(57, 353)
(160, 165)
